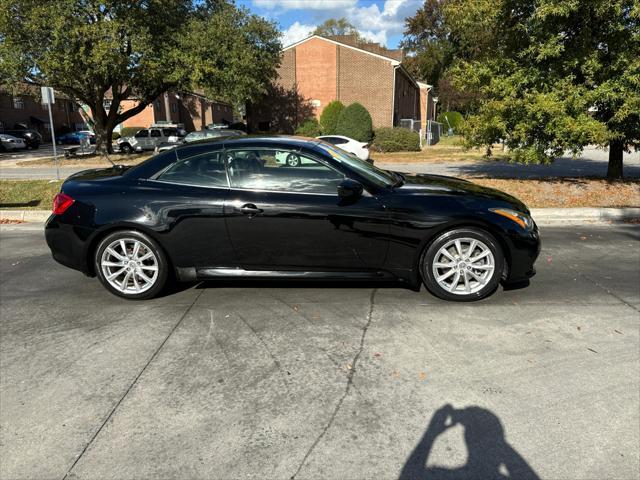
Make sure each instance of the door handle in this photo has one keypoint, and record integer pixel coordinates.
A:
(250, 209)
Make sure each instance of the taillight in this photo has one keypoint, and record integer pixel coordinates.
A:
(61, 203)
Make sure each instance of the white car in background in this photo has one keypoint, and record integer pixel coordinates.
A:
(9, 142)
(359, 149)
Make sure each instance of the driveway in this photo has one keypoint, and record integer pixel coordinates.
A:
(348, 381)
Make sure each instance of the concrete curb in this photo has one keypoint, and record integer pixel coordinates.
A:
(542, 216)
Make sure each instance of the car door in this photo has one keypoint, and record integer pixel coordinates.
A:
(155, 138)
(142, 139)
(291, 218)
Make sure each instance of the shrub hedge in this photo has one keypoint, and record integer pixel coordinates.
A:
(355, 122)
(396, 140)
(329, 117)
(309, 128)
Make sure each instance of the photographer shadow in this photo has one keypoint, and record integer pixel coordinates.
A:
(489, 455)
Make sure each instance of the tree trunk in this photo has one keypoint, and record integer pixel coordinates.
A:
(614, 169)
(100, 129)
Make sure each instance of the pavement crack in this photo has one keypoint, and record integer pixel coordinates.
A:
(347, 389)
(602, 287)
(135, 380)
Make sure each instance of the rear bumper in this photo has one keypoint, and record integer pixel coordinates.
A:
(66, 246)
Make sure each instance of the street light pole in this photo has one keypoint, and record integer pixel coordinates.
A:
(47, 97)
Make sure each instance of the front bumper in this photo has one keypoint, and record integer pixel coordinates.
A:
(524, 251)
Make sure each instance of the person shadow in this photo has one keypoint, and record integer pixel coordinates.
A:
(489, 455)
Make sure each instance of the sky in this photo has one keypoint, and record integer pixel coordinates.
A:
(377, 20)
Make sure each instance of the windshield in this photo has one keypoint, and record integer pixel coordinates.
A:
(379, 177)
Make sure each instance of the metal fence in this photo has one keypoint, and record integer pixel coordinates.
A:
(430, 135)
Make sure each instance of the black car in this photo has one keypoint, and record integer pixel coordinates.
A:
(32, 139)
(227, 208)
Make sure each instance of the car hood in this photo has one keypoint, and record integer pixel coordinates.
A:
(416, 184)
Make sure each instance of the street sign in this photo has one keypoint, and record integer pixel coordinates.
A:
(47, 95)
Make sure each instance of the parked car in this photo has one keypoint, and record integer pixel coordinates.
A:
(359, 149)
(32, 138)
(216, 133)
(74, 138)
(222, 208)
(199, 135)
(9, 142)
(150, 139)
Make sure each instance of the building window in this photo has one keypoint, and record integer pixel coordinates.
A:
(61, 105)
(174, 107)
(316, 103)
(157, 104)
(18, 103)
(218, 107)
(106, 104)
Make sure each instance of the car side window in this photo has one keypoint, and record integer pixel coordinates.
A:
(142, 134)
(338, 141)
(206, 170)
(280, 170)
(156, 133)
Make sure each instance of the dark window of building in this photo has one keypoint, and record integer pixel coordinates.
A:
(174, 107)
(107, 104)
(18, 103)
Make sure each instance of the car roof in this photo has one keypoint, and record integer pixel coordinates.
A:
(257, 140)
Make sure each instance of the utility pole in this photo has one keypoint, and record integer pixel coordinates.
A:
(48, 99)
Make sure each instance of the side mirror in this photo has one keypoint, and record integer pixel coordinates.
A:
(350, 189)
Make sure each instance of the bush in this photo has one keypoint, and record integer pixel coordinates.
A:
(115, 136)
(396, 140)
(355, 122)
(238, 126)
(309, 128)
(330, 116)
(129, 131)
(455, 119)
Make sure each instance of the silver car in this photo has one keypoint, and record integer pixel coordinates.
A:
(149, 139)
(9, 142)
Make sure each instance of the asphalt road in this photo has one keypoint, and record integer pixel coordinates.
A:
(254, 380)
(593, 162)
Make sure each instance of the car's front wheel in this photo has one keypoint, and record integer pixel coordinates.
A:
(131, 265)
(126, 148)
(462, 265)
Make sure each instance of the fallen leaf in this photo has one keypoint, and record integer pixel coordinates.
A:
(377, 354)
(296, 308)
(422, 376)
(583, 238)
(618, 332)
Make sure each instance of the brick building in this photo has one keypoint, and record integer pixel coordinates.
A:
(318, 70)
(23, 110)
(193, 110)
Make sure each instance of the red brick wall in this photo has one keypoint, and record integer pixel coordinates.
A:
(315, 71)
(368, 80)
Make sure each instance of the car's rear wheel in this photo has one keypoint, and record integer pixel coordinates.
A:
(131, 265)
(462, 265)
(293, 160)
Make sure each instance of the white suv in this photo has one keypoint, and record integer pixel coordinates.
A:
(149, 139)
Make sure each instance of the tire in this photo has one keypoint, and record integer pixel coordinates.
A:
(126, 148)
(293, 160)
(473, 280)
(145, 274)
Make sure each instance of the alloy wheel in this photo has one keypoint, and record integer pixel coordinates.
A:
(129, 266)
(463, 266)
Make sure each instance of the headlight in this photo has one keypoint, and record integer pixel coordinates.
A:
(522, 219)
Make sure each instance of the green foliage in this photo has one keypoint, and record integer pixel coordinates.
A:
(336, 26)
(396, 140)
(355, 122)
(454, 120)
(309, 128)
(115, 136)
(329, 117)
(549, 76)
(86, 48)
(129, 131)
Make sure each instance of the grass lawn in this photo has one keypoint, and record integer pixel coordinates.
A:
(567, 192)
(28, 194)
(448, 149)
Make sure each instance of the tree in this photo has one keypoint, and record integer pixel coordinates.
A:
(336, 26)
(329, 117)
(355, 122)
(557, 76)
(118, 49)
